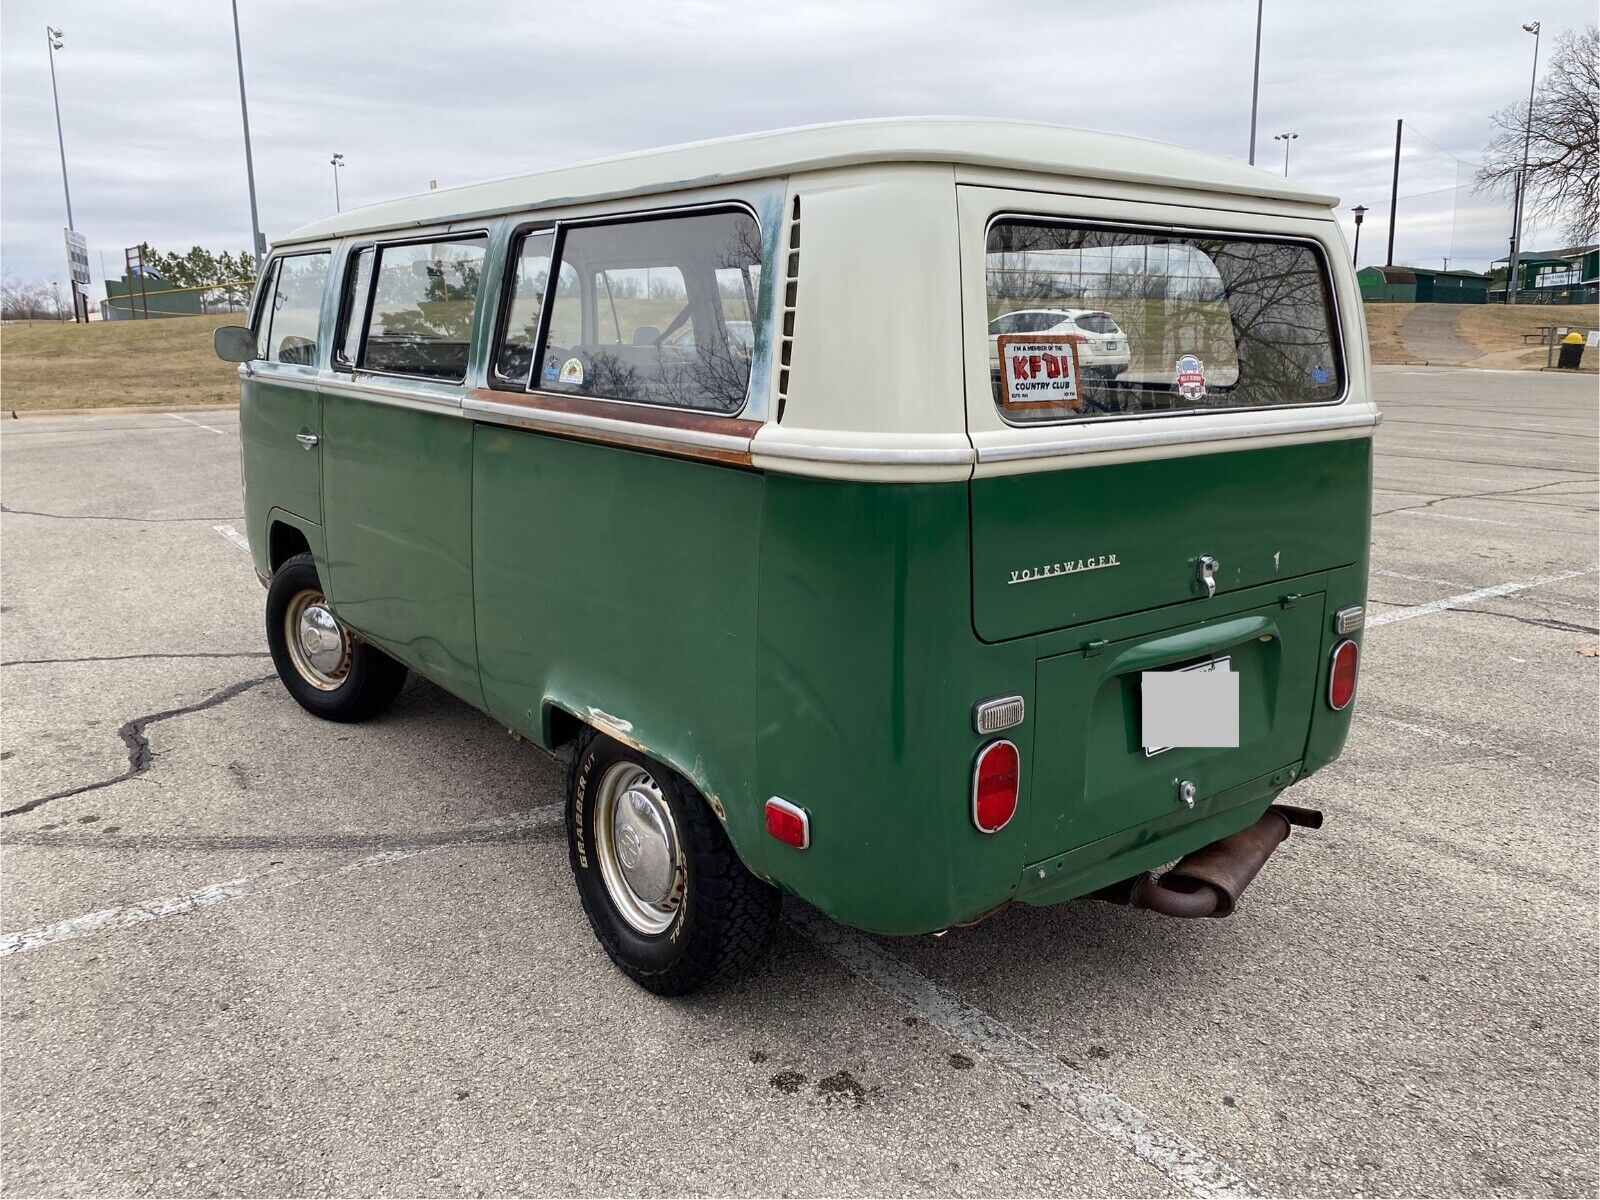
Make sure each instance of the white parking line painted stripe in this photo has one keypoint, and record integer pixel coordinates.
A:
(1192, 1169)
(1472, 597)
(234, 536)
(127, 916)
(1419, 578)
(197, 424)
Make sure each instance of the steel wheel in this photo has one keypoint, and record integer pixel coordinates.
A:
(637, 846)
(319, 645)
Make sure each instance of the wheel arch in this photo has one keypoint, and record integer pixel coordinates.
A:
(284, 536)
(562, 722)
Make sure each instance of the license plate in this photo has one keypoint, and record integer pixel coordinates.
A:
(1195, 707)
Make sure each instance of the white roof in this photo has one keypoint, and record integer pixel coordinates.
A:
(1012, 145)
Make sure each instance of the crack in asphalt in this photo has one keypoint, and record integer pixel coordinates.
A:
(99, 658)
(140, 755)
(1540, 622)
(1479, 495)
(29, 512)
(245, 842)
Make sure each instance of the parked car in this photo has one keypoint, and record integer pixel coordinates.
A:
(820, 604)
(1103, 348)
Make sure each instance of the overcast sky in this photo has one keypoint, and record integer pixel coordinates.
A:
(410, 92)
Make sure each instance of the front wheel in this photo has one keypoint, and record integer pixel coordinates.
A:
(661, 885)
(325, 666)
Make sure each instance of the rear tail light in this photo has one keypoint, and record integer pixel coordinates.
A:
(1342, 678)
(996, 779)
(788, 823)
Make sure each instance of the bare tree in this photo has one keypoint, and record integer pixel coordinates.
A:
(1564, 151)
(28, 300)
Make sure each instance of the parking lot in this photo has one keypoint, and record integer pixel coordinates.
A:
(246, 952)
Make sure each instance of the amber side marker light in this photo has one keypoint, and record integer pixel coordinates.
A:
(1342, 677)
(789, 823)
(996, 779)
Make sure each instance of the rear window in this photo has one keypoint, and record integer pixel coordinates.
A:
(1089, 322)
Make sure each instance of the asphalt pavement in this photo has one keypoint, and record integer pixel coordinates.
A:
(247, 952)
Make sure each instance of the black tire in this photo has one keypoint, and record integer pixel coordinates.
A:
(365, 681)
(724, 916)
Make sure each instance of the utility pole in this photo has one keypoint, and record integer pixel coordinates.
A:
(1513, 276)
(1255, 84)
(53, 40)
(259, 245)
(1394, 191)
(336, 162)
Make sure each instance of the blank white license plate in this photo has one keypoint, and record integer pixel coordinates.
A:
(1197, 706)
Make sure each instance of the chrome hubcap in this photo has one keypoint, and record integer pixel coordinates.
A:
(636, 844)
(317, 641)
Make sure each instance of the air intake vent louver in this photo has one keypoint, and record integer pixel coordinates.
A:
(791, 276)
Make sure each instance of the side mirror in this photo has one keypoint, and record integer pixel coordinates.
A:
(235, 343)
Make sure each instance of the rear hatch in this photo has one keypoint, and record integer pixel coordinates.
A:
(1132, 536)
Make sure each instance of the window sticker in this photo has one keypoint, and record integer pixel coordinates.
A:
(1191, 378)
(572, 371)
(1039, 370)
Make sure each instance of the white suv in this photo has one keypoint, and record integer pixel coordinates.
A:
(1104, 350)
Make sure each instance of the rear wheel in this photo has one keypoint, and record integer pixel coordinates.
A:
(661, 885)
(325, 665)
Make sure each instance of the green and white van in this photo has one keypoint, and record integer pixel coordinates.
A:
(716, 468)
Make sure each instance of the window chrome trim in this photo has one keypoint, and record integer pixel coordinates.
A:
(1334, 297)
(1319, 422)
(543, 419)
(558, 228)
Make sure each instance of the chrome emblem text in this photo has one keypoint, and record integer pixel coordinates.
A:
(1069, 567)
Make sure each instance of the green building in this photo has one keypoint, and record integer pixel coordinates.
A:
(1567, 276)
(157, 299)
(1419, 285)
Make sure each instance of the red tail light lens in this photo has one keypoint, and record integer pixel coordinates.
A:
(1342, 678)
(996, 779)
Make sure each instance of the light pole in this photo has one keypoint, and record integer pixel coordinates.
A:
(1255, 84)
(1360, 212)
(336, 162)
(54, 39)
(258, 244)
(1512, 276)
(1285, 138)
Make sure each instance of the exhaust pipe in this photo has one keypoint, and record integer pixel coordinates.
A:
(1209, 882)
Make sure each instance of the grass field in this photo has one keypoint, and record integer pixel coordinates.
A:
(114, 363)
(170, 362)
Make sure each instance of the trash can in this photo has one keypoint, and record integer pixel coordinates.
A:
(1571, 355)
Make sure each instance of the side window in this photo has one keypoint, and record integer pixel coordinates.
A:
(658, 310)
(263, 321)
(296, 309)
(524, 303)
(353, 308)
(423, 298)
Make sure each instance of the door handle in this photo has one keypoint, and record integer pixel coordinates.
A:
(1205, 570)
(308, 440)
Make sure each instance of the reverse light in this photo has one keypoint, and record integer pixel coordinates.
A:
(996, 781)
(1342, 676)
(789, 823)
